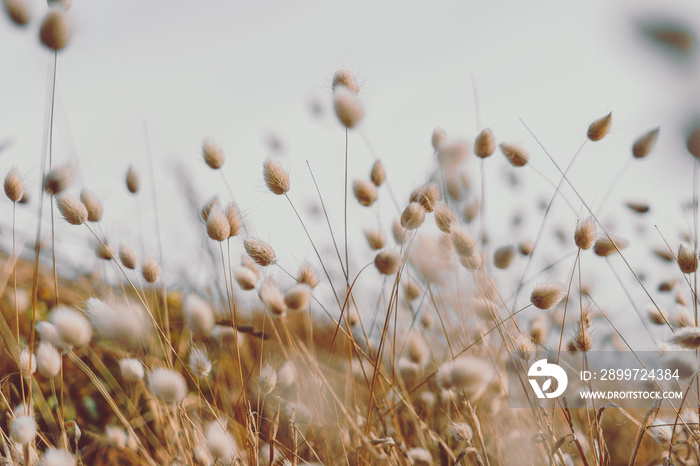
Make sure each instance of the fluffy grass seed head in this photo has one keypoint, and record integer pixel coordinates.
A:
(438, 137)
(451, 154)
(220, 444)
(308, 276)
(167, 385)
(116, 437)
(128, 256)
(365, 192)
(503, 257)
(412, 216)
(58, 179)
(547, 295)
(600, 128)
(516, 155)
(347, 107)
(259, 251)
(276, 177)
(92, 204)
(297, 297)
(466, 373)
(272, 298)
(14, 187)
(584, 235)
(525, 347)
(18, 11)
(687, 259)
(378, 174)
(398, 232)
(48, 360)
(26, 363)
(131, 369)
(72, 326)
(471, 211)
(55, 29)
(411, 289)
(444, 217)
(539, 329)
(267, 379)
(218, 227)
(199, 363)
(429, 196)
(23, 430)
(246, 278)
(104, 251)
(605, 246)
(213, 155)
(463, 243)
(525, 248)
(57, 457)
(151, 270)
(132, 180)
(73, 211)
(375, 239)
(207, 207)
(484, 308)
(645, 144)
(233, 215)
(198, 315)
(687, 337)
(485, 144)
(387, 262)
(345, 78)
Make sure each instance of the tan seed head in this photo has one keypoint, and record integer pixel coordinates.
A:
(503, 257)
(92, 204)
(687, 259)
(645, 144)
(515, 154)
(399, 232)
(471, 211)
(259, 251)
(600, 128)
(297, 297)
(375, 239)
(233, 215)
(55, 29)
(58, 179)
(72, 209)
(365, 192)
(347, 108)
(307, 276)
(378, 175)
(272, 298)
(132, 180)
(428, 196)
(246, 278)
(463, 243)
(218, 227)
(444, 217)
(128, 256)
(103, 251)
(606, 246)
(151, 270)
(638, 207)
(413, 216)
(345, 78)
(438, 138)
(547, 295)
(694, 143)
(584, 235)
(206, 208)
(387, 262)
(485, 144)
(18, 11)
(213, 156)
(525, 248)
(14, 188)
(276, 178)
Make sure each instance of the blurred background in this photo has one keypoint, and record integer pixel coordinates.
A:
(160, 77)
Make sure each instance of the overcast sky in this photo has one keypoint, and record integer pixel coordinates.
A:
(164, 75)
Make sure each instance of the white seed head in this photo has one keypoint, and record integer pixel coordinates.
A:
(116, 437)
(128, 256)
(199, 363)
(218, 227)
(246, 278)
(26, 363)
(297, 297)
(198, 314)
(92, 204)
(23, 430)
(220, 443)
(167, 385)
(151, 270)
(72, 326)
(131, 369)
(57, 457)
(48, 359)
(272, 298)
(267, 379)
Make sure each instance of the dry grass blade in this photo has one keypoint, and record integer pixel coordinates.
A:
(646, 422)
